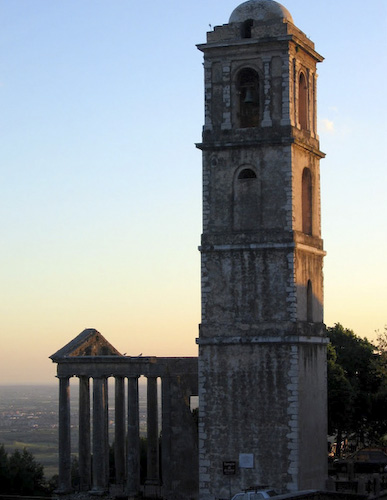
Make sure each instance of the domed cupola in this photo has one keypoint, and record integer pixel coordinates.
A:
(260, 10)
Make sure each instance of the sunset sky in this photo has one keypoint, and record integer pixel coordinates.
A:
(101, 104)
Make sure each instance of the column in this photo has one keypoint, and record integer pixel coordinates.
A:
(314, 90)
(106, 431)
(166, 435)
(133, 446)
(100, 460)
(208, 95)
(64, 484)
(84, 434)
(152, 476)
(226, 119)
(309, 101)
(287, 118)
(295, 95)
(266, 121)
(119, 430)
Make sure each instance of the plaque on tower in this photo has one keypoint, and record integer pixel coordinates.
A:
(246, 460)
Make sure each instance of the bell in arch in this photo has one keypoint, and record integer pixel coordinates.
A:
(249, 97)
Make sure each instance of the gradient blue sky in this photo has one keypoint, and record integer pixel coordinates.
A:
(101, 104)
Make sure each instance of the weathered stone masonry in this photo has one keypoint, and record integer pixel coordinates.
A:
(262, 387)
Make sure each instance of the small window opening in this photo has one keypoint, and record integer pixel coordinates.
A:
(248, 90)
(246, 28)
(302, 102)
(247, 173)
(309, 302)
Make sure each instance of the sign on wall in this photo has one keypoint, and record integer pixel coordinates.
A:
(246, 460)
(229, 468)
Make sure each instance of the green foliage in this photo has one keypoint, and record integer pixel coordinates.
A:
(357, 386)
(20, 474)
(380, 399)
(4, 471)
(382, 351)
(340, 393)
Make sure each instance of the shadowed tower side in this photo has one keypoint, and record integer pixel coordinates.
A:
(262, 341)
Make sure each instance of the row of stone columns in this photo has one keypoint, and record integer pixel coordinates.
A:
(94, 473)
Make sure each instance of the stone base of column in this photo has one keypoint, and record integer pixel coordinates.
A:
(97, 493)
(63, 491)
(152, 489)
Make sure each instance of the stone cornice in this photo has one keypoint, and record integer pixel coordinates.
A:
(310, 249)
(238, 340)
(246, 246)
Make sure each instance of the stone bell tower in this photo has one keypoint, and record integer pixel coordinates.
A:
(262, 342)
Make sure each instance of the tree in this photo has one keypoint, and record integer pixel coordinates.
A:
(382, 351)
(380, 398)
(4, 471)
(340, 397)
(20, 474)
(356, 402)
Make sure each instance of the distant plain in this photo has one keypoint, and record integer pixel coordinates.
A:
(29, 419)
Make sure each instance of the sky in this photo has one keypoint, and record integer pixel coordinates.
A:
(100, 193)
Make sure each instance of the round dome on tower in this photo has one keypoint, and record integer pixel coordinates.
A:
(259, 10)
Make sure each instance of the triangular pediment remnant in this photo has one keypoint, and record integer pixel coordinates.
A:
(88, 343)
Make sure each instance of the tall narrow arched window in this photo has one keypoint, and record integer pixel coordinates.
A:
(302, 102)
(248, 91)
(307, 218)
(309, 302)
(246, 198)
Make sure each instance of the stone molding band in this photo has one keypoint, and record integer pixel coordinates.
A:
(292, 339)
(261, 246)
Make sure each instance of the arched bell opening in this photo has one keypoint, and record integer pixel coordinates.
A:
(248, 94)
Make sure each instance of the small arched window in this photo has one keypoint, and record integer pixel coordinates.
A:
(246, 28)
(246, 196)
(248, 91)
(302, 102)
(309, 302)
(307, 201)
